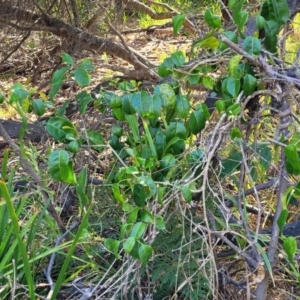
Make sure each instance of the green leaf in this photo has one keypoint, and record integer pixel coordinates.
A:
(95, 139)
(233, 86)
(160, 143)
(249, 84)
(84, 98)
(57, 80)
(113, 246)
(133, 215)
(163, 70)
(252, 45)
(147, 217)
(232, 3)
(210, 42)
(139, 195)
(140, 103)
(155, 106)
(177, 22)
(182, 106)
(59, 128)
(129, 244)
(176, 129)
(212, 20)
(187, 194)
(73, 147)
(167, 161)
(138, 230)
(233, 65)
(234, 109)
(39, 106)
(276, 10)
(67, 59)
(82, 77)
(1, 97)
(220, 105)
(236, 133)
(60, 168)
(145, 252)
(117, 193)
(197, 121)
(271, 31)
(260, 22)
(117, 130)
(292, 163)
(148, 182)
(290, 247)
(127, 104)
(160, 224)
(177, 58)
(167, 95)
(282, 219)
(119, 114)
(208, 82)
(86, 64)
(231, 36)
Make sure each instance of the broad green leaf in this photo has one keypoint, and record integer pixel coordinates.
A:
(60, 167)
(1, 97)
(234, 109)
(117, 130)
(147, 217)
(212, 20)
(138, 230)
(236, 133)
(290, 247)
(243, 17)
(96, 139)
(187, 194)
(113, 246)
(133, 215)
(145, 253)
(252, 45)
(233, 65)
(231, 163)
(167, 161)
(127, 104)
(177, 23)
(271, 31)
(139, 195)
(59, 128)
(115, 101)
(182, 106)
(295, 140)
(163, 70)
(282, 219)
(178, 58)
(20, 95)
(167, 95)
(140, 103)
(160, 143)
(197, 121)
(66, 58)
(73, 147)
(276, 10)
(155, 106)
(208, 82)
(119, 114)
(117, 193)
(231, 36)
(57, 80)
(86, 64)
(160, 224)
(148, 184)
(39, 106)
(83, 98)
(260, 22)
(82, 77)
(209, 43)
(176, 129)
(232, 3)
(129, 244)
(249, 84)
(233, 86)
(220, 105)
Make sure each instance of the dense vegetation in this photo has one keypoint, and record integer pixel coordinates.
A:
(173, 177)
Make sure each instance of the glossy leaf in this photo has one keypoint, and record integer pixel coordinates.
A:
(177, 58)
(235, 133)
(39, 106)
(234, 109)
(233, 65)
(197, 121)
(145, 253)
(252, 45)
(260, 22)
(1, 97)
(115, 101)
(59, 128)
(277, 11)
(127, 104)
(147, 217)
(138, 230)
(117, 193)
(57, 80)
(271, 38)
(73, 147)
(176, 129)
(182, 106)
(290, 247)
(140, 103)
(129, 244)
(96, 139)
(177, 23)
(139, 195)
(249, 84)
(82, 77)
(86, 64)
(113, 246)
(208, 82)
(66, 58)
(60, 167)
(212, 20)
(233, 86)
(167, 95)
(160, 143)
(282, 219)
